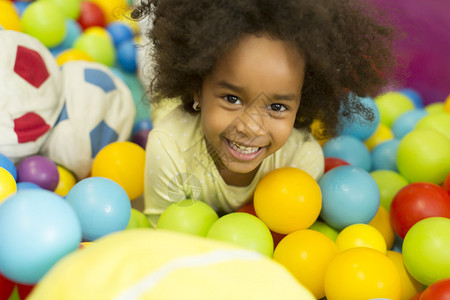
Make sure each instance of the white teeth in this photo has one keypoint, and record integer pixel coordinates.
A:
(243, 149)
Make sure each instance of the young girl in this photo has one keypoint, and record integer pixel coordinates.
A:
(252, 75)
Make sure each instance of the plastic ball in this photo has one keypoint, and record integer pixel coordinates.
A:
(436, 107)
(361, 235)
(138, 220)
(8, 165)
(112, 9)
(438, 290)
(124, 163)
(26, 186)
(391, 105)
(326, 229)
(90, 15)
(7, 288)
(72, 55)
(349, 149)
(333, 162)
(382, 134)
(66, 181)
(423, 155)
(382, 223)
(188, 216)
(425, 250)
(101, 205)
(389, 183)
(73, 31)
(9, 19)
(287, 199)
(37, 228)
(349, 196)
(446, 184)
(416, 202)
(100, 49)
(359, 127)
(447, 105)
(39, 170)
(306, 254)
(245, 230)
(384, 155)
(45, 21)
(20, 6)
(317, 130)
(362, 273)
(414, 96)
(126, 56)
(71, 8)
(8, 185)
(140, 138)
(438, 121)
(120, 32)
(141, 125)
(410, 286)
(98, 31)
(407, 122)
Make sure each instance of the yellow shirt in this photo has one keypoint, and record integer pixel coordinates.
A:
(179, 167)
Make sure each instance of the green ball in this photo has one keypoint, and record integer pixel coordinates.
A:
(391, 105)
(435, 107)
(188, 216)
(426, 250)
(245, 230)
(137, 220)
(389, 183)
(423, 155)
(325, 229)
(44, 21)
(71, 8)
(439, 121)
(100, 49)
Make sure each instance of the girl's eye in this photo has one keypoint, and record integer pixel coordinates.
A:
(232, 99)
(277, 107)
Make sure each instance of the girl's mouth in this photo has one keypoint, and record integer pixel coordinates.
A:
(243, 152)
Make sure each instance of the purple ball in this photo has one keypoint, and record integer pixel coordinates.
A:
(141, 137)
(38, 170)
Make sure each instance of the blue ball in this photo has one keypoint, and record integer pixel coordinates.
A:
(73, 32)
(27, 186)
(414, 96)
(350, 149)
(37, 229)
(361, 128)
(120, 32)
(126, 55)
(350, 195)
(8, 165)
(21, 6)
(102, 206)
(384, 155)
(406, 122)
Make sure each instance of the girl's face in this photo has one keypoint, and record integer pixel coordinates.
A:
(249, 102)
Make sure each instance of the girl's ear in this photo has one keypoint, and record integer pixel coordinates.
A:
(197, 96)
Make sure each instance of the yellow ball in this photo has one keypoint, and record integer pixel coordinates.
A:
(66, 181)
(410, 286)
(124, 163)
(362, 273)
(72, 55)
(361, 235)
(9, 19)
(98, 31)
(287, 199)
(306, 254)
(317, 130)
(447, 105)
(382, 223)
(435, 107)
(112, 9)
(8, 185)
(382, 134)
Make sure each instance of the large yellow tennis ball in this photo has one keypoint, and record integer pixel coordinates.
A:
(287, 199)
(124, 163)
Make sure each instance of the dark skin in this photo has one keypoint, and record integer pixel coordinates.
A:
(347, 50)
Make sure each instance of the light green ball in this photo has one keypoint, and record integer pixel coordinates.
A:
(188, 216)
(436, 107)
(137, 220)
(100, 49)
(391, 105)
(44, 21)
(424, 155)
(389, 183)
(439, 121)
(426, 250)
(245, 230)
(71, 8)
(325, 229)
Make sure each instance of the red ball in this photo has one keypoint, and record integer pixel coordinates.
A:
(24, 290)
(333, 162)
(6, 287)
(415, 202)
(91, 15)
(446, 183)
(440, 290)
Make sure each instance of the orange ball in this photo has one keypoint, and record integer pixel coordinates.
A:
(122, 162)
(287, 199)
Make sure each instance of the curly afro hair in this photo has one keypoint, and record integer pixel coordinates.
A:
(346, 47)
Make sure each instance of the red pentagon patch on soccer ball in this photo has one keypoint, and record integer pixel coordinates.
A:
(30, 66)
(30, 127)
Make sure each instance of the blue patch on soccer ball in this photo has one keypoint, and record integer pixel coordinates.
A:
(100, 79)
(101, 136)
